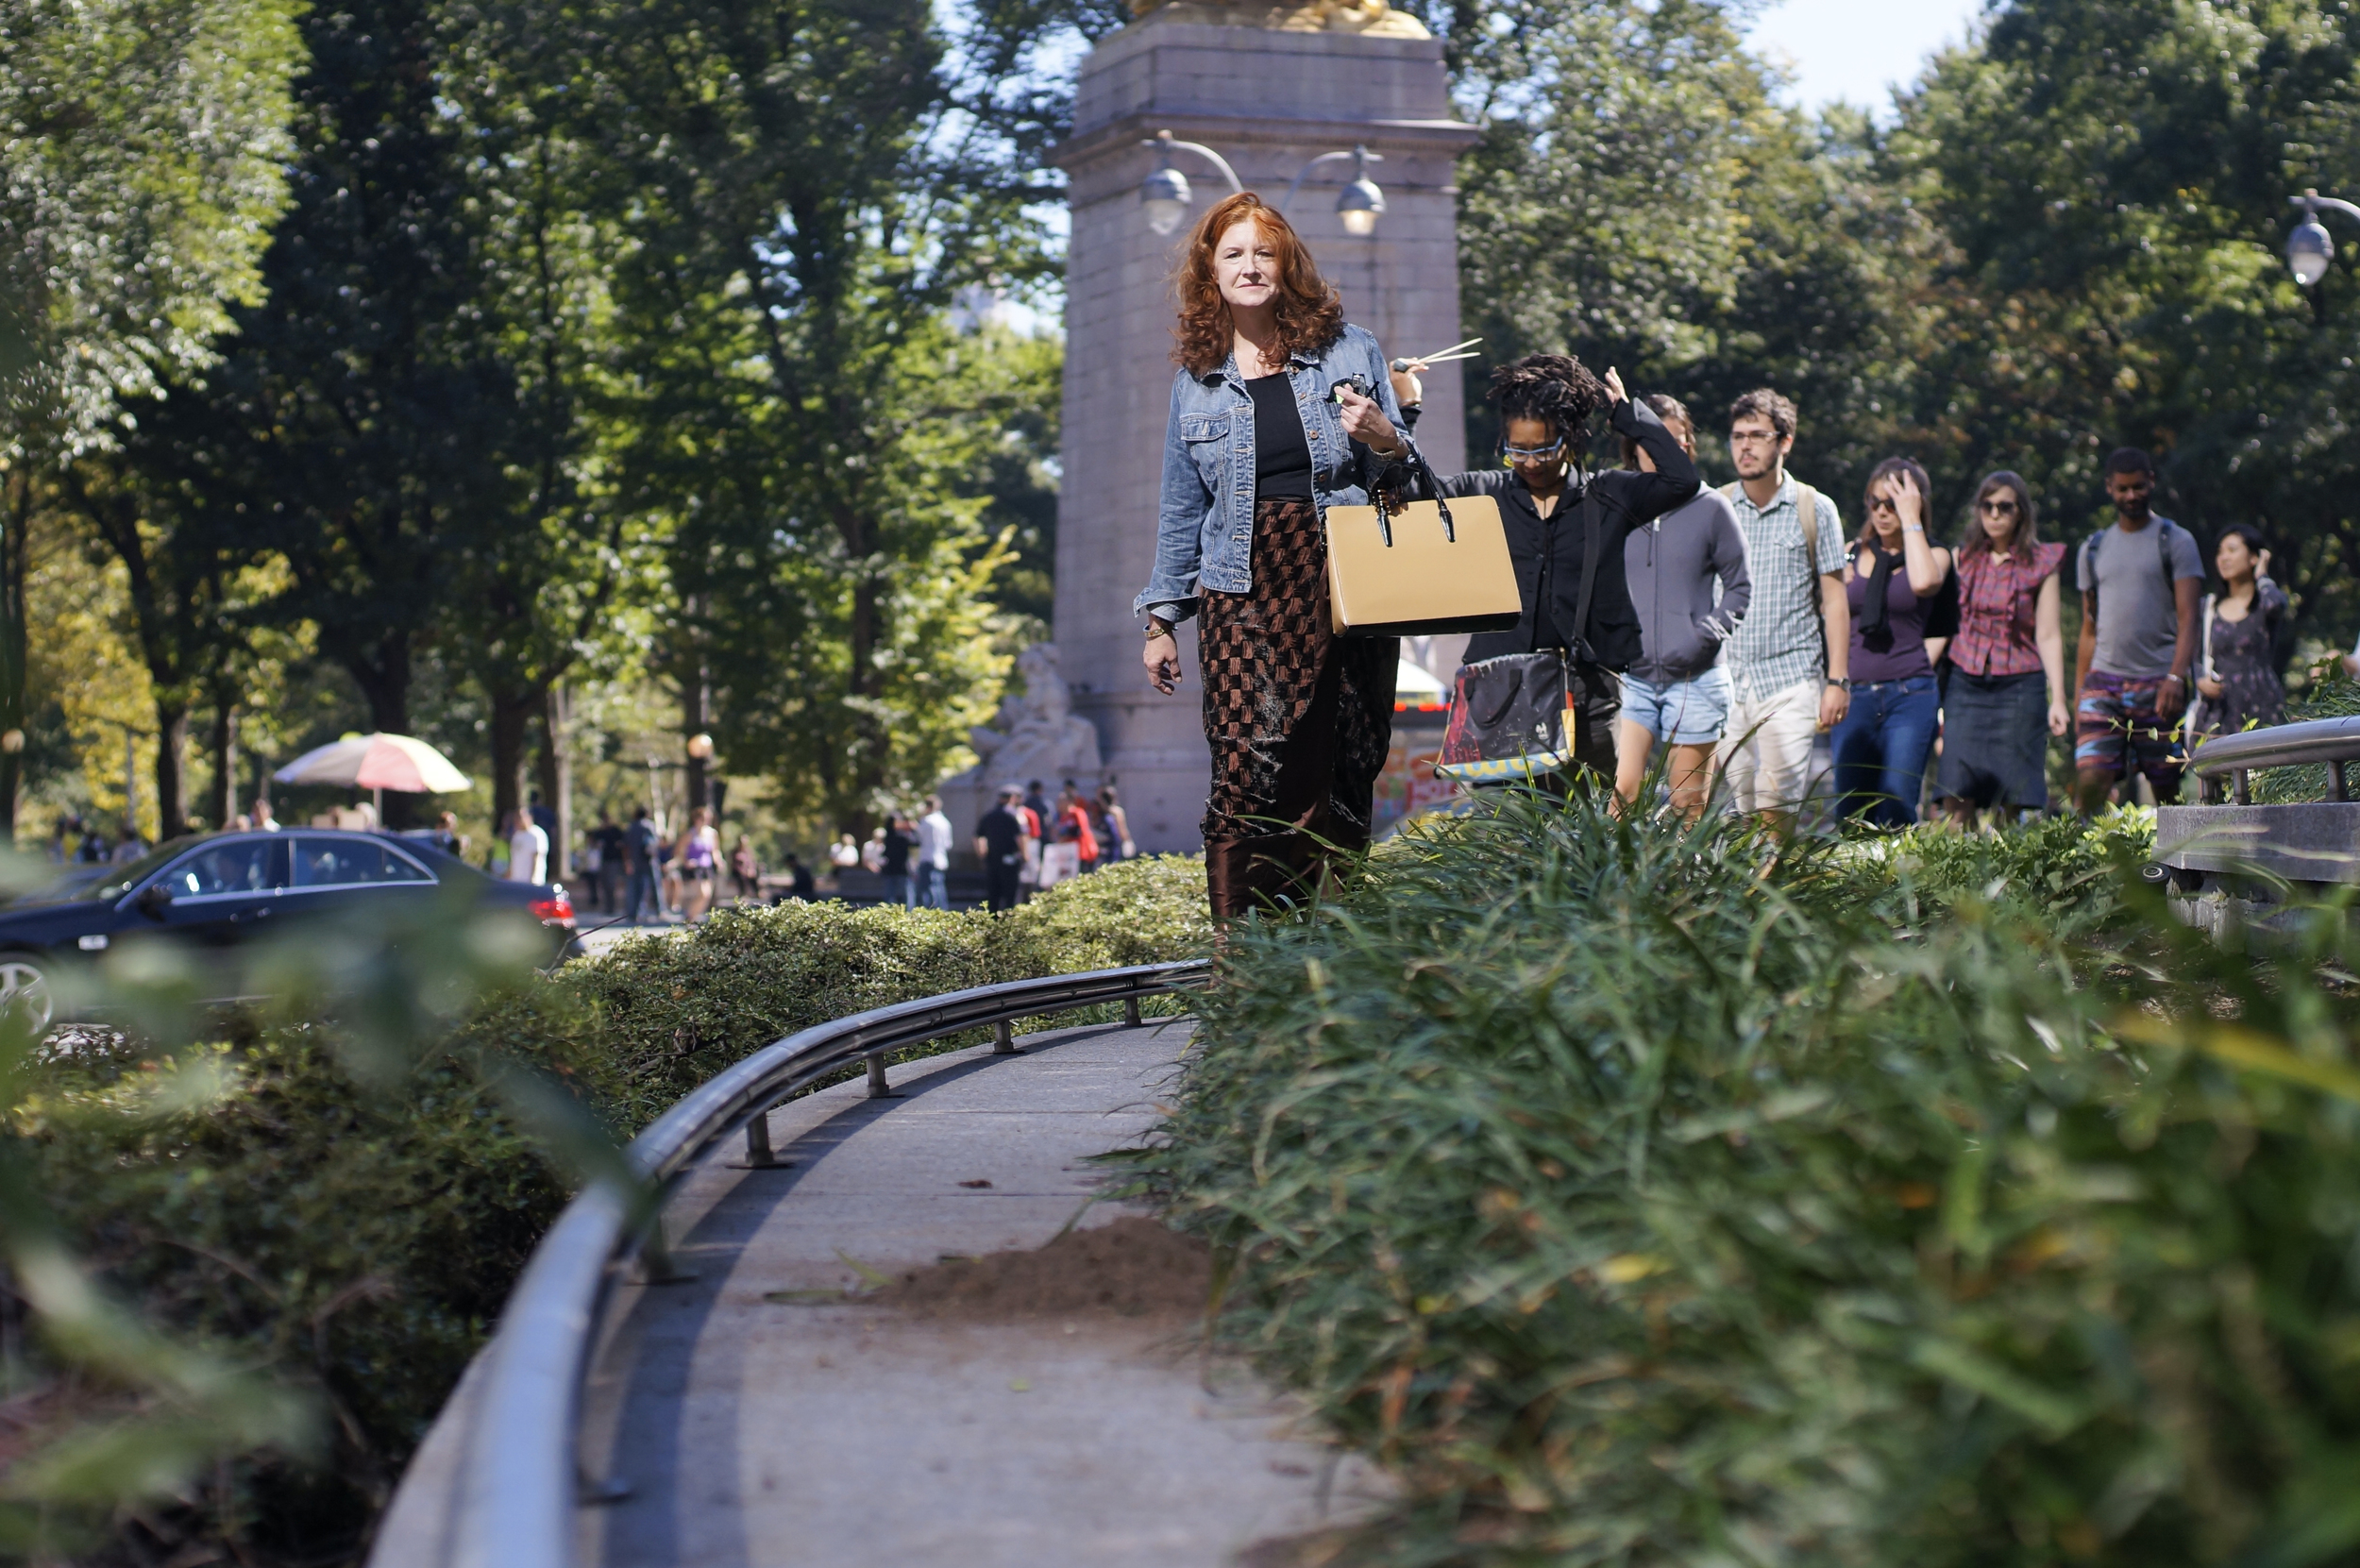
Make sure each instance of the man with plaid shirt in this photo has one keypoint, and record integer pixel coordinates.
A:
(1788, 661)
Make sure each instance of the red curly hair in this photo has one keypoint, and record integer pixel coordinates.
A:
(1309, 315)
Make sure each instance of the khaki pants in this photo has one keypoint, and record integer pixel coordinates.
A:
(1766, 753)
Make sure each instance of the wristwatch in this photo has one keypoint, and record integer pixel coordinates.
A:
(1839, 683)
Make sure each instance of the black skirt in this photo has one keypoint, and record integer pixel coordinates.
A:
(1995, 741)
(1299, 719)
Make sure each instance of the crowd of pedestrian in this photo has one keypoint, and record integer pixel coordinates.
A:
(1735, 628)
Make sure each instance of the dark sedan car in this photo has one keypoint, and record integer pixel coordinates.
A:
(213, 891)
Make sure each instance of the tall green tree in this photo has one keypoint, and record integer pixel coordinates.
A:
(803, 185)
(146, 148)
(2114, 180)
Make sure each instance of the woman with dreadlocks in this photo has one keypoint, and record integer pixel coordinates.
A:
(1546, 403)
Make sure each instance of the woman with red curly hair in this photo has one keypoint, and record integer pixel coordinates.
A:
(1264, 435)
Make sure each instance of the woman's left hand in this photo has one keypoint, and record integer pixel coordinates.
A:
(1365, 422)
(1909, 503)
(2060, 719)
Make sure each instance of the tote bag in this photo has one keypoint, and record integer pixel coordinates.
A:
(1422, 568)
(1512, 717)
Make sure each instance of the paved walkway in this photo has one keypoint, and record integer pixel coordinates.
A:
(753, 1431)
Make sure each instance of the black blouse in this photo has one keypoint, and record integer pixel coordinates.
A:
(1282, 455)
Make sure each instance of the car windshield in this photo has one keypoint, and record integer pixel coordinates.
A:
(123, 878)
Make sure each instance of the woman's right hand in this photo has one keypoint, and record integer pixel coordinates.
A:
(2209, 687)
(1162, 658)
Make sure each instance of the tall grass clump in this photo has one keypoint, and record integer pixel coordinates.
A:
(1656, 1197)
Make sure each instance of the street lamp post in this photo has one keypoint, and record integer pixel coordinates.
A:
(1163, 194)
(2308, 248)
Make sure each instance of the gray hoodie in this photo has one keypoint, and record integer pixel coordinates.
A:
(1671, 565)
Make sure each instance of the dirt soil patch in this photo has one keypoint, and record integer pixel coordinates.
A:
(1132, 1267)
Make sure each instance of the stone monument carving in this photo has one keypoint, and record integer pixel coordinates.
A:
(1270, 85)
(1374, 18)
(1034, 736)
(1038, 736)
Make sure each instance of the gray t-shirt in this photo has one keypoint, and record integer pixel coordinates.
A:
(2138, 621)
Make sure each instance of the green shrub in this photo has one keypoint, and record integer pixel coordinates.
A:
(357, 1240)
(666, 1013)
(1650, 1198)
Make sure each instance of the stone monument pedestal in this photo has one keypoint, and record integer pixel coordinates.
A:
(1270, 97)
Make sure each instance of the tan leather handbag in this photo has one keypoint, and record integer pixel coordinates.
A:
(1419, 569)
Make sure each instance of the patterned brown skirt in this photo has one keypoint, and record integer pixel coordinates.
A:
(1299, 720)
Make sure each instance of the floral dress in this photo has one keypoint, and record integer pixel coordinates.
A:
(2244, 661)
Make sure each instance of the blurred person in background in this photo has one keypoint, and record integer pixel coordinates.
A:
(698, 857)
(1073, 827)
(844, 853)
(2005, 694)
(1000, 845)
(2248, 635)
(1904, 602)
(746, 871)
(527, 849)
(894, 860)
(639, 843)
(1036, 821)
(264, 818)
(934, 858)
(614, 864)
(1114, 824)
(800, 883)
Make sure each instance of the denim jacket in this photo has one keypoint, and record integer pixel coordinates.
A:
(1204, 523)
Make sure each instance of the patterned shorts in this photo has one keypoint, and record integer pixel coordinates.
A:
(2118, 729)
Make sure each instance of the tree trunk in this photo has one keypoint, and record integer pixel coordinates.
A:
(223, 805)
(13, 549)
(557, 774)
(172, 778)
(512, 720)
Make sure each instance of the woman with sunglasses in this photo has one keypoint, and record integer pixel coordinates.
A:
(1546, 403)
(2006, 691)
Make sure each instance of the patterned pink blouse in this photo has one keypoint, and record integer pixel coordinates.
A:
(1996, 597)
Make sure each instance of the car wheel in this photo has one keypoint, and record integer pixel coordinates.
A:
(25, 990)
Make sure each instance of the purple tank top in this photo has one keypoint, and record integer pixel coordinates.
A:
(1898, 651)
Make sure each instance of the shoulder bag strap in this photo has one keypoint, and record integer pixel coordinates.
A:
(1578, 638)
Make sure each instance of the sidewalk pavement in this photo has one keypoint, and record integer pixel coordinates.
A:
(770, 1431)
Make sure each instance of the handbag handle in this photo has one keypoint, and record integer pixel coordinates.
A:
(1420, 469)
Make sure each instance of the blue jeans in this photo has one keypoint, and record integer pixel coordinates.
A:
(642, 889)
(934, 888)
(1882, 747)
(897, 890)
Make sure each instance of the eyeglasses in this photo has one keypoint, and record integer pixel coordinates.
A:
(1882, 504)
(1998, 506)
(1532, 454)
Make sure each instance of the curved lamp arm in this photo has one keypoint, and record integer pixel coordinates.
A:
(1166, 144)
(1361, 153)
(2314, 203)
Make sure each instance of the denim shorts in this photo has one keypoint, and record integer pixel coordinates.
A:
(1682, 712)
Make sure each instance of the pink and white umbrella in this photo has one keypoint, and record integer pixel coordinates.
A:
(401, 762)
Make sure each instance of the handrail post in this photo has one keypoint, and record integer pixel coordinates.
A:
(878, 1088)
(2335, 785)
(1131, 1010)
(2238, 789)
(759, 1155)
(1003, 1040)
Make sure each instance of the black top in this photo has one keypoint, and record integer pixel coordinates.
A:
(1547, 550)
(895, 860)
(1282, 458)
(1002, 834)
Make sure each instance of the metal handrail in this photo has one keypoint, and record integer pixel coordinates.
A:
(521, 1482)
(2333, 741)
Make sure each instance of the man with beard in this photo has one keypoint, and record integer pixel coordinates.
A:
(2140, 583)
